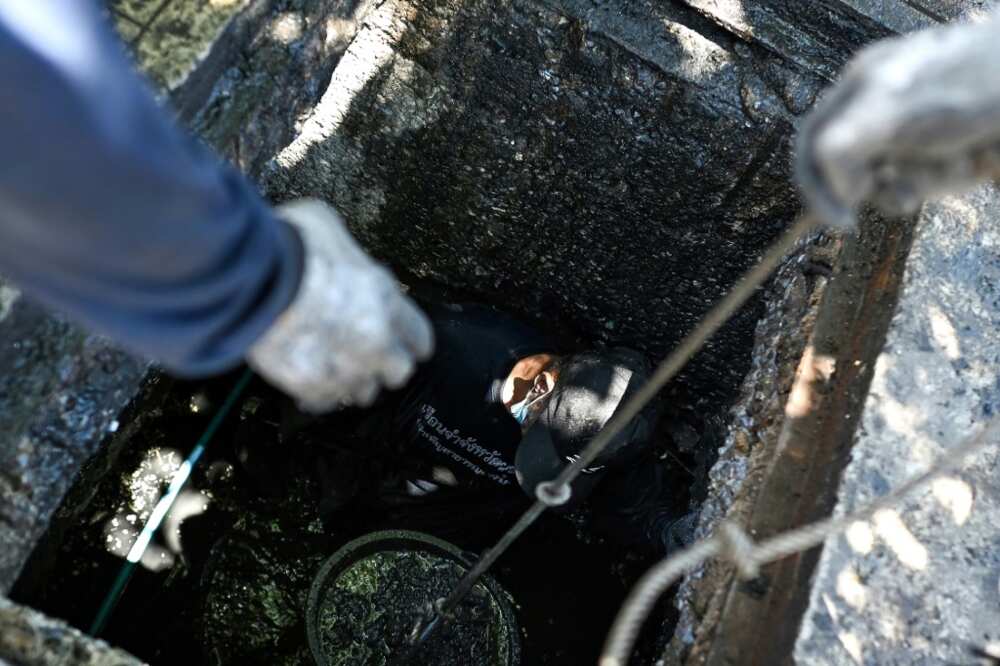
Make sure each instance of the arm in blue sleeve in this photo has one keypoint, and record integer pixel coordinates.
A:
(111, 214)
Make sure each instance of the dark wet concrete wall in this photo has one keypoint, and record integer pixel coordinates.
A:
(610, 169)
(61, 391)
(609, 166)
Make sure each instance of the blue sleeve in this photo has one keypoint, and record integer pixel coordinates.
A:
(111, 214)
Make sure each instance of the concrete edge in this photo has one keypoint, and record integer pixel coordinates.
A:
(759, 620)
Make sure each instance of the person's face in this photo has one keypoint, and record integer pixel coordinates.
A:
(527, 386)
(534, 399)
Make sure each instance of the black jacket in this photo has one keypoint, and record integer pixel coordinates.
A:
(451, 416)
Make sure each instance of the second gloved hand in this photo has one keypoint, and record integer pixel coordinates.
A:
(349, 330)
(911, 118)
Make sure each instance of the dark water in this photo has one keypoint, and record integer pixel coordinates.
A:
(236, 571)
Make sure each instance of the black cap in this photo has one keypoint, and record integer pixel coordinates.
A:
(589, 389)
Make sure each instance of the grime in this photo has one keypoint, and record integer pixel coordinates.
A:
(368, 613)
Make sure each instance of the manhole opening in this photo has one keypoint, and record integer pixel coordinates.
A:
(226, 579)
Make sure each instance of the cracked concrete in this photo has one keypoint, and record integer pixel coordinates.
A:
(918, 584)
(31, 639)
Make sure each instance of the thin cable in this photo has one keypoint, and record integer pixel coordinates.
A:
(680, 463)
(731, 543)
(558, 490)
(177, 483)
(689, 346)
(427, 625)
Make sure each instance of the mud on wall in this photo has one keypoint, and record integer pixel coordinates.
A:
(61, 392)
(613, 171)
(609, 167)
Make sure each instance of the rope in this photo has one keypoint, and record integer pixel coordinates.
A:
(445, 608)
(732, 544)
(689, 346)
(558, 491)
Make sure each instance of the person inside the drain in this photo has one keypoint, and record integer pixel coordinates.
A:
(115, 217)
(496, 411)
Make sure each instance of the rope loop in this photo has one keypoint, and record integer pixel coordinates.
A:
(737, 547)
(552, 493)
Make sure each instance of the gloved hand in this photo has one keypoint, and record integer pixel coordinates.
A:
(349, 330)
(911, 118)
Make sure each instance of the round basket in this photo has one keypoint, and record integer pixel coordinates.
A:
(402, 541)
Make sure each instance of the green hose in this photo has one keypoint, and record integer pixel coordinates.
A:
(177, 483)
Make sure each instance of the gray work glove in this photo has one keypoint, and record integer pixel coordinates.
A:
(912, 118)
(349, 330)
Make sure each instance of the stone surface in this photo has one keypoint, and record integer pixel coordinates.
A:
(170, 37)
(919, 584)
(561, 159)
(61, 391)
(264, 76)
(899, 17)
(819, 37)
(28, 638)
(752, 428)
(718, 616)
(801, 452)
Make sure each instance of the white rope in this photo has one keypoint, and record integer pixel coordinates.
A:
(558, 491)
(720, 313)
(732, 544)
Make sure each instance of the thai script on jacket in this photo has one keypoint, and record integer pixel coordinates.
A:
(449, 442)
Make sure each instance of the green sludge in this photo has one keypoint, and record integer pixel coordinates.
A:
(370, 611)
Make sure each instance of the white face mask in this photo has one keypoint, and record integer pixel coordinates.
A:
(520, 410)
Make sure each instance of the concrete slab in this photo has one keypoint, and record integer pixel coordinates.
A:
(818, 37)
(899, 17)
(28, 638)
(920, 585)
(61, 391)
(908, 15)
